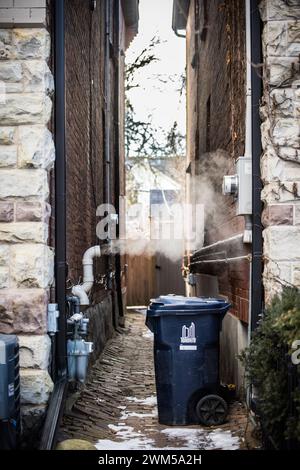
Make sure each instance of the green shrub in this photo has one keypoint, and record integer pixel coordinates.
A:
(266, 364)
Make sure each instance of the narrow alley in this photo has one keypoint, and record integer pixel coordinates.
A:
(150, 228)
(116, 409)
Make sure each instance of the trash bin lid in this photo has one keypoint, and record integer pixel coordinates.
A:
(171, 304)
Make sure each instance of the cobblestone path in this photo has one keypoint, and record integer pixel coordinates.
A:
(117, 407)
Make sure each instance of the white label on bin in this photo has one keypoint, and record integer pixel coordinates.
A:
(188, 337)
(185, 347)
(11, 389)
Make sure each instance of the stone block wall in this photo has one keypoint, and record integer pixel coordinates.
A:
(26, 157)
(281, 144)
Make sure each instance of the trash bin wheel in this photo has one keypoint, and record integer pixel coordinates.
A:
(212, 410)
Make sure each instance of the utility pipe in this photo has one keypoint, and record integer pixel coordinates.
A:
(256, 299)
(55, 406)
(60, 186)
(107, 91)
(222, 260)
(82, 290)
(233, 239)
(248, 125)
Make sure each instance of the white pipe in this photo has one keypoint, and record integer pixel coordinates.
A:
(83, 289)
(248, 124)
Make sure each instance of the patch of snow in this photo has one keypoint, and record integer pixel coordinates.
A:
(224, 440)
(149, 401)
(132, 414)
(190, 438)
(127, 439)
(140, 443)
(204, 439)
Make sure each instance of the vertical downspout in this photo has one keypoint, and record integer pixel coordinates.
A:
(117, 157)
(60, 185)
(256, 299)
(248, 133)
(54, 411)
(107, 104)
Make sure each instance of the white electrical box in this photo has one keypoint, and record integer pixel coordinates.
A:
(244, 197)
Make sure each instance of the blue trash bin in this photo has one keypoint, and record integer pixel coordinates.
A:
(186, 357)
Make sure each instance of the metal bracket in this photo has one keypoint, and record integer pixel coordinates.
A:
(53, 314)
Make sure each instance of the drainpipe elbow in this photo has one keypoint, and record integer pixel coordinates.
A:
(88, 276)
(90, 254)
(79, 292)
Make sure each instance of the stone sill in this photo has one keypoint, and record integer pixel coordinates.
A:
(12, 25)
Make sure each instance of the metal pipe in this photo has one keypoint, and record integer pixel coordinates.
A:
(60, 186)
(107, 103)
(257, 241)
(54, 413)
(248, 121)
(117, 117)
(248, 130)
(222, 260)
(221, 242)
(55, 407)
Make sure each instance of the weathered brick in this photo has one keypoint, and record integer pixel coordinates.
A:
(23, 184)
(31, 43)
(23, 311)
(280, 191)
(4, 277)
(4, 255)
(28, 108)
(23, 232)
(8, 156)
(36, 149)
(7, 135)
(11, 71)
(30, 3)
(6, 50)
(279, 9)
(282, 38)
(278, 215)
(286, 132)
(296, 276)
(6, 211)
(297, 215)
(36, 386)
(32, 265)
(280, 70)
(282, 243)
(37, 77)
(32, 212)
(34, 351)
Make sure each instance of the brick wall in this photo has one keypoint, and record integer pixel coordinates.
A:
(85, 117)
(216, 132)
(84, 127)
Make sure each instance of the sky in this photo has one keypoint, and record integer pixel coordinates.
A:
(153, 97)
